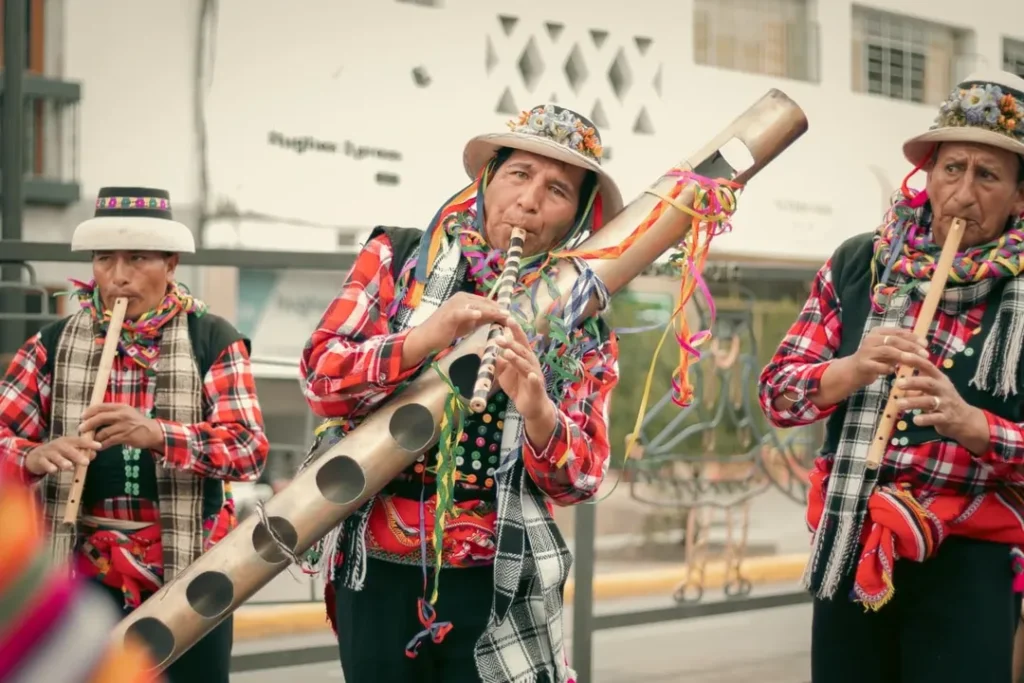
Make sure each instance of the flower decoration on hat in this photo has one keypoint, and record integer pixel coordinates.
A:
(983, 106)
(562, 126)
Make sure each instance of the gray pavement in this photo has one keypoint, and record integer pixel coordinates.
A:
(769, 646)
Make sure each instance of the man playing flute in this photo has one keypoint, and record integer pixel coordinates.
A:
(410, 296)
(914, 564)
(179, 420)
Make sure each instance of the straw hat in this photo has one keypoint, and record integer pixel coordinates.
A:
(133, 219)
(554, 132)
(987, 108)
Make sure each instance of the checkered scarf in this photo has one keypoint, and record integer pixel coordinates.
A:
(524, 638)
(178, 399)
(851, 483)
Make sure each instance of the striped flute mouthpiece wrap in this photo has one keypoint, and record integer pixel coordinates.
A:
(53, 628)
(503, 290)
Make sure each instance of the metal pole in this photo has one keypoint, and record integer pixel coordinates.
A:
(12, 157)
(583, 598)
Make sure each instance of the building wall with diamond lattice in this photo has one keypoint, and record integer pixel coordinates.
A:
(299, 128)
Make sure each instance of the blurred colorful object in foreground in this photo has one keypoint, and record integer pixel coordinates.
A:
(53, 628)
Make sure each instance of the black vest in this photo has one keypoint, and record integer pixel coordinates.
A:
(210, 335)
(851, 279)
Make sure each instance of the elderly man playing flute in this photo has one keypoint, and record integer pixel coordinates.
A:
(915, 558)
(410, 296)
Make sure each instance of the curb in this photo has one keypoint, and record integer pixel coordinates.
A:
(255, 622)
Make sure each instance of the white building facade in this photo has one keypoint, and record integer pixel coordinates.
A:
(298, 125)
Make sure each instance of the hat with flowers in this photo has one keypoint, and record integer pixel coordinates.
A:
(987, 108)
(554, 132)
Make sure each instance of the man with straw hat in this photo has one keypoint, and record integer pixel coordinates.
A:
(411, 295)
(915, 565)
(179, 419)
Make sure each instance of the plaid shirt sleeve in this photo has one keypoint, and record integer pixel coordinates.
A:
(24, 410)
(352, 361)
(803, 356)
(1006, 441)
(572, 465)
(230, 444)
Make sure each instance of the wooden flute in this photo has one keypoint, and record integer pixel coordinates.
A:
(924, 320)
(99, 389)
(505, 286)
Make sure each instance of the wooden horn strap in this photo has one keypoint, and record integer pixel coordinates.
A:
(924, 320)
(505, 288)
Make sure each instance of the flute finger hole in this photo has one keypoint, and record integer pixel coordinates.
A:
(155, 635)
(462, 372)
(210, 594)
(412, 427)
(266, 545)
(341, 480)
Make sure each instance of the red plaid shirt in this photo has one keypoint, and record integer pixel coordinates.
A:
(230, 445)
(352, 363)
(942, 466)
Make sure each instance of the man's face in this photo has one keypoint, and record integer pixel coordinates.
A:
(141, 276)
(977, 183)
(537, 194)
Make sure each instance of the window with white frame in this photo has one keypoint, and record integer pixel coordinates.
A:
(1013, 56)
(771, 37)
(905, 58)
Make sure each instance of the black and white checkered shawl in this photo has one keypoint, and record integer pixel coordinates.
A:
(524, 640)
(850, 484)
(179, 396)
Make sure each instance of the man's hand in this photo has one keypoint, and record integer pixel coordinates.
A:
(880, 352)
(456, 317)
(114, 424)
(61, 454)
(518, 373)
(878, 355)
(942, 407)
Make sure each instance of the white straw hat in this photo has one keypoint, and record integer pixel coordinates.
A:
(133, 219)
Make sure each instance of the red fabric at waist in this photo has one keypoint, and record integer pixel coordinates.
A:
(907, 525)
(469, 536)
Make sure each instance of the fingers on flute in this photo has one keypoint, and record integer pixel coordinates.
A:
(482, 314)
(896, 334)
(522, 365)
(517, 332)
(67, 456)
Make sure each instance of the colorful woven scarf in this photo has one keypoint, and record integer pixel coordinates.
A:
(140, 339)
(904, 245)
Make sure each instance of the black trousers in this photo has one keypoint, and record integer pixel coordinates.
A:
(208, 661)
(951, 620)
(376, 623)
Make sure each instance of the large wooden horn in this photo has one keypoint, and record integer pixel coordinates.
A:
(340, 480)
